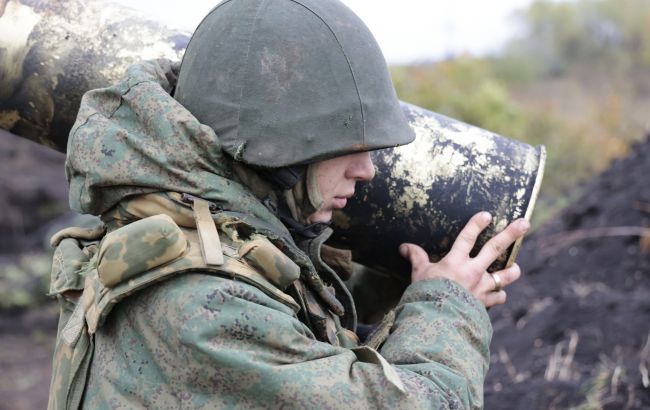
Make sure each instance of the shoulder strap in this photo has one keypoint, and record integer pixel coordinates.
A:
(132, 258)
(154, 249)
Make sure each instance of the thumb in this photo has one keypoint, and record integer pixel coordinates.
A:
(414, 254)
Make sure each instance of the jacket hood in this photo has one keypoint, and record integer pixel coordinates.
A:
(134, 138)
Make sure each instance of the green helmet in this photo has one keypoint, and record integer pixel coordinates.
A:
(288, 82)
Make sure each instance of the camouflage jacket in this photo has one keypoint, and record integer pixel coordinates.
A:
(161, 311)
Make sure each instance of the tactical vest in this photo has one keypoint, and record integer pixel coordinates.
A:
(94, 270)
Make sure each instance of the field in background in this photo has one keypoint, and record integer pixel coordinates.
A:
(576, 79)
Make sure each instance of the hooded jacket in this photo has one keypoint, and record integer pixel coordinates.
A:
(147, 323)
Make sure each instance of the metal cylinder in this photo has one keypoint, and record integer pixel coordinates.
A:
(51, 52)
(425, 192)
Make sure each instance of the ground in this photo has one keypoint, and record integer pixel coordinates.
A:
(576, 329)
(26, 347)
(32, 193)
(574, 333)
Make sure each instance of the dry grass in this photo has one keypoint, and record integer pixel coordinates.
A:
(533, 309)
(644, 361)
(613, 380)
(515, 376)
(560, 363)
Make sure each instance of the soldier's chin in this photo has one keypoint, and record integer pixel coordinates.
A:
(323, 216)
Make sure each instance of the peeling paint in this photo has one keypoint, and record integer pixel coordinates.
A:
(9, 118)
(16, 24)
(341, 220)
(425, 192)
(500, 225)
(74, 46)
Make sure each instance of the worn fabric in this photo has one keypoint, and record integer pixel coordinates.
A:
(302, 200)
(133, 138)
(225, 344)
(161, 329)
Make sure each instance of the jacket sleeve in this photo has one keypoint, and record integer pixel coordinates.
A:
(243, 348)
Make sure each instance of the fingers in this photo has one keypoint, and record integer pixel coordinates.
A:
(419, 260)
(414, 254)
(488, 293)
(508, 275)
(495, 298)
(498, 244)
(467, 237)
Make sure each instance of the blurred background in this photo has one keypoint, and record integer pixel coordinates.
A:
(571, 75)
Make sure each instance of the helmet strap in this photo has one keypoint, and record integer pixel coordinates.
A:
(283, 178)
(291, 193)
(314, 195)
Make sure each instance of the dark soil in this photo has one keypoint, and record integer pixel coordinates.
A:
(576, 328)
(574, 332)
(26, 348)
(33, 191)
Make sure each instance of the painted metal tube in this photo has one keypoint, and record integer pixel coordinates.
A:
(51, 52)
(425, 192)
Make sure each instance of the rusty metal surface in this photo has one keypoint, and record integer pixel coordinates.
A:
(51, 52)
(425, 192)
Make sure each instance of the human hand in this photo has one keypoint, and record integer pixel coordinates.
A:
(470, 272)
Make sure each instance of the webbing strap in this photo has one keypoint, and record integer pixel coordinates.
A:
(208, 235)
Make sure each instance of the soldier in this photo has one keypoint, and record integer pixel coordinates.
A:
(206, 283)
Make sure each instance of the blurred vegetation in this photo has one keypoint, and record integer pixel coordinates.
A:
(25, 282)
(576, 79)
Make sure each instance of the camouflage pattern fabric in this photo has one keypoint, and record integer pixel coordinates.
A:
(154, 327)
(133, 138)
(199, 341)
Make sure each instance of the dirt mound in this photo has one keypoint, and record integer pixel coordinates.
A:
(576, 329)
(33, 191)
(26, 349)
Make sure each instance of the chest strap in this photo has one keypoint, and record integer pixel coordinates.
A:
(208, 235)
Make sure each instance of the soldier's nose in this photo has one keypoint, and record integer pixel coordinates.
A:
(361, 167)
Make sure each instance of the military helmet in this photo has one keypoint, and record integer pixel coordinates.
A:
(289, 82)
